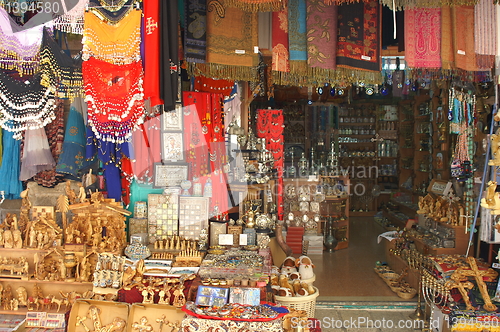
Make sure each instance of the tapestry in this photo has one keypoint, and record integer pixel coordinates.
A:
(463, 37)
(151, 56)
(297, 37)
(422, 37)
(321, 34)
(195, 37)
(485, 33)
(405, 4)
(231, 36)
(359, 36)
(169, 54)
(447, 54)
(280, 56)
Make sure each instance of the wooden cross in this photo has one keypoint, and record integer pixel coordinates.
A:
(142, 325)
(163, 321)
(80, 322)
(478, 276)
(461, 286)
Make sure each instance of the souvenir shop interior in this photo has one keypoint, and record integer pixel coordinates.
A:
(194, 165)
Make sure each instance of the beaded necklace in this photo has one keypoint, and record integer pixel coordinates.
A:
(115, 98)
(25, 105)
(117, 44)
(60, 70)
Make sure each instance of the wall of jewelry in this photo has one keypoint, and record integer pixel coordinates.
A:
(302, 204)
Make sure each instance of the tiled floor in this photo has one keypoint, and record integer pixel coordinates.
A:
(347, 274)
(352, 297)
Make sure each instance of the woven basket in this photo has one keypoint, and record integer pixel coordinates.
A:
(306, 303)
(407, 293)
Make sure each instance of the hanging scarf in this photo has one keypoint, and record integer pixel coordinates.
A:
(25, 104)
(231, 38)
(297, 39)
(72, 158)
(280, 57)
(169, 54)
(447, 53)
(195, 37)
(55, 134)
(151, 56)
(405, 4)
(321, 34)
(117, 44)
(485, 33)
(9, 171)
(72, 21)
(359, 31)
(422, 37)
(463, 37)
(111, 11)
(115, 98)
(59, 70)
(20, 45)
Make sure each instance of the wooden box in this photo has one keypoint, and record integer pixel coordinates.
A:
(159, 316)
(81, 315)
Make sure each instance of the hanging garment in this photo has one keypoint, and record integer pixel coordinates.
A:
(72, 158)
(281, 56)
(25, 104)
(485, 34)
(55, 135)
(321, 34)
(72, 20)
(117, 44)
(115, 98)
(111, 11)
(195, 36)
(36, 154)
(9, 171)
(20, 45)
(59, 70)
(146, 141)
(169, 54)
(151, 55)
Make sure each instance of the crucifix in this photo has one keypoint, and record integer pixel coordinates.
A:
(165, 293)
(163, 321)
(478, 276)
(142, 325)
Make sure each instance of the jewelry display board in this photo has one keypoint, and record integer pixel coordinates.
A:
(163, 216)
(169, 175)
(193, 216)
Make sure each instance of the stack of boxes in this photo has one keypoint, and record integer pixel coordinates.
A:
(315, 246)
(294, 238)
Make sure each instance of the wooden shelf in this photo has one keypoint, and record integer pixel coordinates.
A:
(41, 282)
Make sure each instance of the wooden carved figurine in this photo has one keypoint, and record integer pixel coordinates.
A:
(495, 150)
(492, 199)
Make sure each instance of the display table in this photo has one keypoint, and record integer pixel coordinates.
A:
(194, 324)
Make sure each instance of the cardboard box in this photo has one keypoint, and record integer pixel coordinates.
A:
(107, 313)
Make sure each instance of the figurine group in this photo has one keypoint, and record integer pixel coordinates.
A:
(441, 209)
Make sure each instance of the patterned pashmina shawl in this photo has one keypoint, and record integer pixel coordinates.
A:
(231, 38)
(280, 57)
(422, 37)
(463, 37)
(359, 36)
(485, 34)
(195, 36)
(321, 34)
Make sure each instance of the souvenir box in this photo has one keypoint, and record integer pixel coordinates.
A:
(85, 314)
(161, 317)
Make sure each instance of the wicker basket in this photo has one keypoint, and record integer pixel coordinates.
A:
(407, 293)
(306, 303)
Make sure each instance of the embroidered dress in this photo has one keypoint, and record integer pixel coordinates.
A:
(9, 171)
(111, 11)
(117, 44)
(25, 104)
(72, 157)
